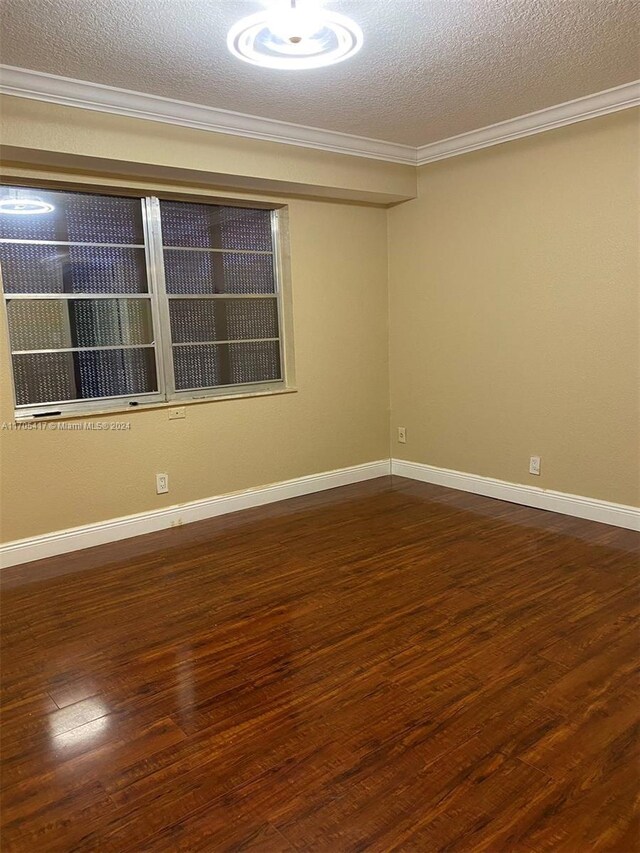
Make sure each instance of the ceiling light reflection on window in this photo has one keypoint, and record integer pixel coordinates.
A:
(23, 204)
(296, 35)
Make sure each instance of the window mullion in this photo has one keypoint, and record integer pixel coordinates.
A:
(279, 276)
(159, 302)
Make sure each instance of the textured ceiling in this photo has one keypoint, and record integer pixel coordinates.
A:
(429, 69)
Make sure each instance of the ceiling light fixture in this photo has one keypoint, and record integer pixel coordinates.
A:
(295, 34)
(21, 204)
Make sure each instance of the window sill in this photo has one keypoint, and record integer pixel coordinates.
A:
(145, 407)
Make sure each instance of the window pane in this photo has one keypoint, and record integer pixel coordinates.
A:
(61, 376)
(226, 364)
(248, 274)
(76, 217)
(28, 268)
(197, 367)
(108, 373)
(249, 318)
(64, 323)
(258, 362)
(218, 272)
(44, 378)
(222, 319)
(213, 227)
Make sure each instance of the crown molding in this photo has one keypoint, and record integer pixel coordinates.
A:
(591, 106)
(38, 86)
(65, 91)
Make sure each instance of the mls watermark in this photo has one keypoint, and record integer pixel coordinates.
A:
(65, 426)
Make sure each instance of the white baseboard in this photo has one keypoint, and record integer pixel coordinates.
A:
(593, 509)
(88, 535)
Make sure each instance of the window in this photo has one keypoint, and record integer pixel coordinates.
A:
(116, 301)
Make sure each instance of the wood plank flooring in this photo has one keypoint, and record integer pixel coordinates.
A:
(386, 666)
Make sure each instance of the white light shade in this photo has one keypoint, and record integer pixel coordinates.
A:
(297, 22)
(294, 37)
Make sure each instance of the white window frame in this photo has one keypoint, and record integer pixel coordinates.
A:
(158, 298)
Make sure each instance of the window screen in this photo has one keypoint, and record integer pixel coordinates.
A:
(115, 298)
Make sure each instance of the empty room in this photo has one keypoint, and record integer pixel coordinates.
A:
(320, 426)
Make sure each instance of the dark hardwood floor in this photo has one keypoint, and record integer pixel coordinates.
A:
(386, 666)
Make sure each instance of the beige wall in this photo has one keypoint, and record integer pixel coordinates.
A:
(53, 480)
(514, 311)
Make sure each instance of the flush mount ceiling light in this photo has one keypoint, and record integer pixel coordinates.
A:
(18, 204)
(294, 34)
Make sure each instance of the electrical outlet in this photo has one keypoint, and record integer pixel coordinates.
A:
(162, 484)
(177, 413)
(402, 435)
(534, 465)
